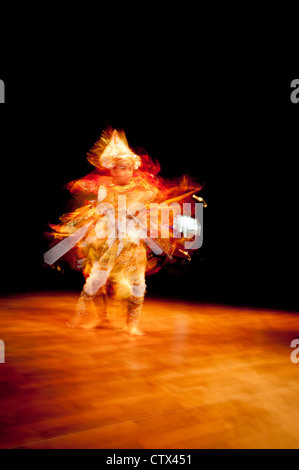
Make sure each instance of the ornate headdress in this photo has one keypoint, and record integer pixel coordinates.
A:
(111, 149)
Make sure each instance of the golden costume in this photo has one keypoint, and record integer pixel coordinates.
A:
(110, 234)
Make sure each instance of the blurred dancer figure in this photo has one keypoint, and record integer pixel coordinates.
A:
(107, 235)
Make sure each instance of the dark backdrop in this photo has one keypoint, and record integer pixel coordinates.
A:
(233, 128)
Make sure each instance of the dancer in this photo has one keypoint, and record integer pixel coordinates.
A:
(110, 235)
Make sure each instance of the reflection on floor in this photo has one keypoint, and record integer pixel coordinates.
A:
(203, 376)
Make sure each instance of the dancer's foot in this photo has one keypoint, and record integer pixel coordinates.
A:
(134, 331)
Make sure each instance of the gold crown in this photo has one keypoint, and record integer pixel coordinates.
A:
(111, 148)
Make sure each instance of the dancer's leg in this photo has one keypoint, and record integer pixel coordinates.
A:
(85, 303)
(135, 306)
(97, 279)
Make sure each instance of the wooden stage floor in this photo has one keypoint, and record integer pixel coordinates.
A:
(203, 376)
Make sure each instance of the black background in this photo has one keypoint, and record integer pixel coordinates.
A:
(228, 121)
